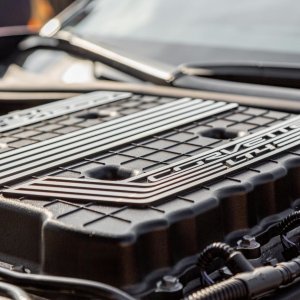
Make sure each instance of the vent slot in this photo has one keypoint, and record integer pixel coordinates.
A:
(220, 133)
(111, 173)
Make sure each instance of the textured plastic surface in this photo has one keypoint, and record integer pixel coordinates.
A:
(155, 186)
(123, 244)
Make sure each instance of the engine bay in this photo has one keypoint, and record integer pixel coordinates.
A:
(159, 197)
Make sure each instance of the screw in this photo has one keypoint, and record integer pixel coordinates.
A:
(249, 246)
(169, 281)
(247, 240)
(169, 284)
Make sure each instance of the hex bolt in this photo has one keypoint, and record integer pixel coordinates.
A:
(247, 240)
(169, 288)
(169, 281)
(249, 247)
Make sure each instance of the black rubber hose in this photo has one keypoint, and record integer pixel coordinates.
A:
(13, 291)
(289, 221)
(253, 284)
(64, 284)
(290, 226)
(226, 290)
(213, 251)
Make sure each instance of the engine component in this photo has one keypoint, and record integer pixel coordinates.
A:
(251, 285)
(235, 260)
(249, 247)
(127, 196)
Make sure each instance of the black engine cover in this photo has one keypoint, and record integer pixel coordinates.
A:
(123, 188)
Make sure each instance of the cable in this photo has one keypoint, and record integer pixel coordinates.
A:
(213, 251)
(234, 260)
(64, 284)
(13, 291)
(206, 280)
(289, 222)
(252, 284)
(230, 289)
(287, 242)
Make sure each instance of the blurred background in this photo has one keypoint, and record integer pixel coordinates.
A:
(46, 55)
(29, 12)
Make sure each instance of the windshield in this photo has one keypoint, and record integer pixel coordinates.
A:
(177, 31)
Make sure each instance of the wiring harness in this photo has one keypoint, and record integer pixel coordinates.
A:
(16, 282)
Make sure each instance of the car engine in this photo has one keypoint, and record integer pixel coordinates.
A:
(139, 196)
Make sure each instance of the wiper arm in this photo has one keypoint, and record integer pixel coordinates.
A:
(70, 43)
(286, 75)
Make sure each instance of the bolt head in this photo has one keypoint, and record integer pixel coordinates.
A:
(169, 281)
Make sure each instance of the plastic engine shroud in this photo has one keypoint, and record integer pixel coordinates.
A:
(119, 187)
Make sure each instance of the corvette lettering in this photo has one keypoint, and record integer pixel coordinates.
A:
(159, 184)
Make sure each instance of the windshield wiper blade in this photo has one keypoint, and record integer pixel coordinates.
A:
(73, 44)
(278, 74)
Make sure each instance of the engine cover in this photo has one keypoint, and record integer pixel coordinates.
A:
(122, 188)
